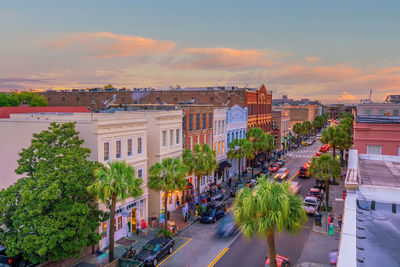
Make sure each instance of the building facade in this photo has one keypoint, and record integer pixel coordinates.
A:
(109, 137)
(378, 109)
(379, 135)
(281, 128)
(301, 113)
(236, 127)
(197, 128)
(258, 101)
(219, 143)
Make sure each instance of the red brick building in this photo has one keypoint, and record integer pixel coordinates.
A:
(258, 101)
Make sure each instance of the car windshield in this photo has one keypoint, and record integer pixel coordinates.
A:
(208, 212)
(152, 246)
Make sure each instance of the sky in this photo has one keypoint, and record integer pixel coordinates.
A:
(333, 51)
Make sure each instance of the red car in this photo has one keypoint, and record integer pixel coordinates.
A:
(318, 154)
(274, 168)
(315, 192)
(280, 260)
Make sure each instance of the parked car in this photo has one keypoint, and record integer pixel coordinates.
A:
(294, 187)
(281, 174)
(280, 260)
(273, 168)
(250, 183)
(17, 261)
(324, 148)
(315, 192)
(215, 196)
(320, 184)
(238, 186)
(311, 205)
(213, 212)
(304, 173)
(281, 163)
(155, 250)
(227, 227)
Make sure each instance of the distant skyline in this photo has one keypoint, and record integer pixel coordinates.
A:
(333, 51)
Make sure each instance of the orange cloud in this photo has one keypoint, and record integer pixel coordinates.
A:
(110, 45)
(312, 59)
(346, 97)
(225, 58)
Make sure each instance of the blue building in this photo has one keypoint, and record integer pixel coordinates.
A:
(236, 126)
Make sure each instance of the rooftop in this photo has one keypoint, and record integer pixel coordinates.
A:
(378, 119)
(6, 111)
(378, 233)
(379, 173)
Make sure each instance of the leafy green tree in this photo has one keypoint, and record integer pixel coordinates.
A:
(239, 149)
(201, 161)
(343, 137)
(270, 207)
(167, 176)
(298, 130)
(108, 86)
(8, 100)
(48, 215)
(306, 128)
(330, 136)
(324, 168)
(115, 184)
(32, 99)
(260, 142)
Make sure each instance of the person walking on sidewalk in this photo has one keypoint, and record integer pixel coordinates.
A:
(184, 213)
(339, 222)
(230, 182)
(223, 192)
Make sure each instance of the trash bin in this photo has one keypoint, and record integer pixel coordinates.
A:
(317, 219)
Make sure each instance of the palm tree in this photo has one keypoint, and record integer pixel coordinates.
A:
(270, 140)
(306, 128)
(269, 207)
(343, 137)
(259, 141)
(330, 136)
(201, 161)
(167, 176)
(239, 149)
(297, 129)
(112, 185)
(324, 168)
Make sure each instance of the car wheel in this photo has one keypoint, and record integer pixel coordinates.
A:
(155, 262)
(171, 249)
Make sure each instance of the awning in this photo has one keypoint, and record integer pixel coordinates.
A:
(222, 166)
(189, 185)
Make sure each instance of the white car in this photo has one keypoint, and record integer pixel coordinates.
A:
(311, 205)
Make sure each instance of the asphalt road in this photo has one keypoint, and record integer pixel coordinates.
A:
(202, 249)
(244, 252)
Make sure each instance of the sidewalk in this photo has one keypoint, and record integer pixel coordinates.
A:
(319, 243)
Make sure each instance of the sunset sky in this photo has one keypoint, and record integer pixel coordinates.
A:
(327, 50)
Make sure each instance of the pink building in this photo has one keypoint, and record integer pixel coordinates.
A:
(379, 135)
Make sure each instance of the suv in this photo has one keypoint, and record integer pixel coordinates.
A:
(213, 212)
(304, 173)
(311, 204)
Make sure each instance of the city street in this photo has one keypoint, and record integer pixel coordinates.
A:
(204, 249)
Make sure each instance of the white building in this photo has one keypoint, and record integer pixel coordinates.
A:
(236, 125)
(109, 136)
(219, 142)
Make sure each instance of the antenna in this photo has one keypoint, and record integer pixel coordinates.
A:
(370, 94)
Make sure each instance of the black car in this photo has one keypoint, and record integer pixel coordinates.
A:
(155, 250)
(213, 212)
(17, 261)
(237, 188)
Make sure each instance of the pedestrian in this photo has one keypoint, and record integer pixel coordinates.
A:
(192, 206)
(187, 211)
(340, 222)
(333, 255)
(223, 193)
(177, 202)
(184, 213)
(230, 182)
(143, 226)
(203, 202)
